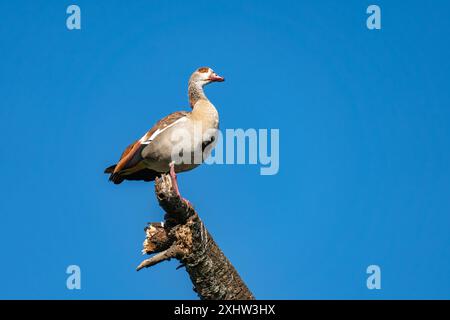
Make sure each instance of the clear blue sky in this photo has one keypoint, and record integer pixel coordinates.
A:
(364, 119)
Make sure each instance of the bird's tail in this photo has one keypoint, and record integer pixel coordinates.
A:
(110, 169)
(114, 177)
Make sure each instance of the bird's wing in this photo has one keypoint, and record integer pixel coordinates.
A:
(132, 154)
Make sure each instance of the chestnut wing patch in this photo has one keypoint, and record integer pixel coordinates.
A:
(130, 157)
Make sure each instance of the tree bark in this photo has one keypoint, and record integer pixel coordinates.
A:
(183, 236)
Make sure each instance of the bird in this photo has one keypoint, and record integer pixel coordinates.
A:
(153, 154)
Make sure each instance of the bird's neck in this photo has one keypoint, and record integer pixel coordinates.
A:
(196, 93)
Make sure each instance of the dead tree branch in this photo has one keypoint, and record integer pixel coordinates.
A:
(183, 236)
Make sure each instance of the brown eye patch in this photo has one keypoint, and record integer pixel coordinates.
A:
(203, 69)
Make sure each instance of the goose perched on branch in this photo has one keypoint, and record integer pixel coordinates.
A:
(181, 134)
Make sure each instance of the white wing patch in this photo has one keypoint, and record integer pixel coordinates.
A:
(143, 140)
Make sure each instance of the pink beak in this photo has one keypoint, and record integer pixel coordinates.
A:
(216, 78)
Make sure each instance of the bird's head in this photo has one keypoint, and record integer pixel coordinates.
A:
(204, 75)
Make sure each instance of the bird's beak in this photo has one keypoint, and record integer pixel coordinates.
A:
(216, 78)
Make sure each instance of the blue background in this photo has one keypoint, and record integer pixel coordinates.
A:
(364, 119)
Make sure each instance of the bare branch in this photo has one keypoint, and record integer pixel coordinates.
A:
(168, 254)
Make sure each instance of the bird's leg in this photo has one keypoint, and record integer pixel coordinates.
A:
(173, 178)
